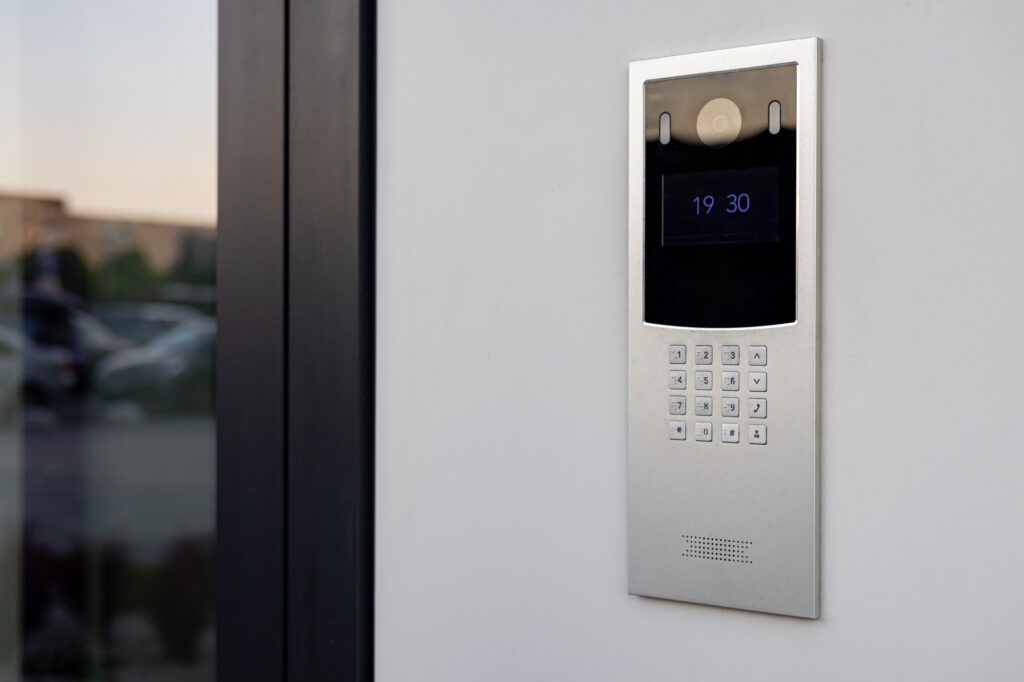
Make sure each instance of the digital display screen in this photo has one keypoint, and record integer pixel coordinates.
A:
(720, 207)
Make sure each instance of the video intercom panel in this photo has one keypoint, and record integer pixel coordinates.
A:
(723, 328)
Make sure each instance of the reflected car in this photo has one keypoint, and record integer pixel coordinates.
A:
(172, 373)
(143, 322)
(46, 375)
(56, 321)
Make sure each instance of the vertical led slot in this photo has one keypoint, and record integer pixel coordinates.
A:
(665, 128)
(774, 117)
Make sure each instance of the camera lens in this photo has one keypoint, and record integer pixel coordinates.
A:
(719, 122)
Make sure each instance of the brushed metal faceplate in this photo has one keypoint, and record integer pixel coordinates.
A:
(717, 522)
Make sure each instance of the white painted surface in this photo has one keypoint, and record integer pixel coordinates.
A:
(501, 462)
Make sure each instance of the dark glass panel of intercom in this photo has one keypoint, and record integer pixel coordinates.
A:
(720, 202)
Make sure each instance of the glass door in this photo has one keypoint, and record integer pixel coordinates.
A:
(108, 328)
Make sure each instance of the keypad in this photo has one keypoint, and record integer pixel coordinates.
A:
(743, 414)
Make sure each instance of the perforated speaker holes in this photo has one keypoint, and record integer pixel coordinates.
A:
(717, 549)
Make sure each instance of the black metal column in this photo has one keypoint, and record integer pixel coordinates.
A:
(331, 340)
(251, 349)
(295, 371)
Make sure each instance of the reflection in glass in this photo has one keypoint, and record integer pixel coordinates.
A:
(107, 338)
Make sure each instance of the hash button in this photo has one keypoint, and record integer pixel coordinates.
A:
(730, 433)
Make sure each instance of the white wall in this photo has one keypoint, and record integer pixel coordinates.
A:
(501, 456)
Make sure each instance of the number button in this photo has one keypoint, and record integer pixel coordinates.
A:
(730, 381)
(703, 406)
(730, 407)
(705, 355)
(730, 355)
(730, 433)
(677, 404)
(677, 430)
(757, 408)
(677, 379)
(704, 381)
(758, 356)
(702, 432)
(758, 434)
(677, 355)
(758, 382)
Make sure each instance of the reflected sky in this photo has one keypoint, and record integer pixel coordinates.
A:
(111, 104)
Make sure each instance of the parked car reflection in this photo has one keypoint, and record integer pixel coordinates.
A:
(55, 320)
(171, 373)
(45, 374)
(142, 322)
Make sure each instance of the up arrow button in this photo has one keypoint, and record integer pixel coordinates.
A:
(757, 356)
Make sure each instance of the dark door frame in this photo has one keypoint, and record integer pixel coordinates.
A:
(295, 365)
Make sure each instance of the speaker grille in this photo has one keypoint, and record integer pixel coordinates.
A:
(717, 549)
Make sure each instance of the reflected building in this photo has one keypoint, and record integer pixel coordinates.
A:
(39, 225)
